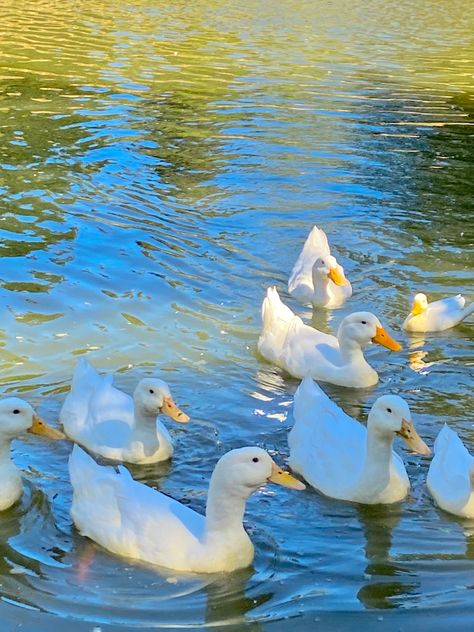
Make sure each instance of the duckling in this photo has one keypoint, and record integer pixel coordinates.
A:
(436, 316)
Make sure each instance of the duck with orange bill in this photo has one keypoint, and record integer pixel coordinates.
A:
(438, 315)
(113, 424)
(302, 350)
(16, 417)
(341, 458)
(136, 521)
(317, 278)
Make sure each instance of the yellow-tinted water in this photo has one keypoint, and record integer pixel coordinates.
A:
(161, 165)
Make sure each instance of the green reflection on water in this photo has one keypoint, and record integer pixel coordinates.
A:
(161, 164)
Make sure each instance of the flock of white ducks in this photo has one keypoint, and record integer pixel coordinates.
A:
(333, 452)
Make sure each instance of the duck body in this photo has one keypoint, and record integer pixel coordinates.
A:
(302, 350)
(438, 315)
(109, 422)
(136, 521)
(450, 478)
(11, 484)
(340, 457)
(317, 278)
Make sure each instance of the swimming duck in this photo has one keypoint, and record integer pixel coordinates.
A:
(317, 277)
(450, 478)
(16, 417)
(340, 457)
(436, 316)
(136, 521)
(109, 422)
(302, 350)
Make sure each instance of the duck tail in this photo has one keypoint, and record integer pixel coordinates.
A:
(276, 320)
(306, 398)
(445, 436)
(467, 311)
(316, 243)
(85, 376)
(85, 382)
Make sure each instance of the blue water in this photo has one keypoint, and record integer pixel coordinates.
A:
(161, 165)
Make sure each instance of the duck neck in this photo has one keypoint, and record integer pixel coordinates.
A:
(5, 451)
(320, 288)
(147, 428)
(224, 510)
(376, 473)
(351, 350)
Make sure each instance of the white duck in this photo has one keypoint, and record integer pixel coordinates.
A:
(16, 417)
(302, 350)
(317, 277)
(110, 423)
(136, 521)
(340, 457)
(450, 478)
(436, 316)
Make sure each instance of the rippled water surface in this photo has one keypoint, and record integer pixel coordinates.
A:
(161, 165)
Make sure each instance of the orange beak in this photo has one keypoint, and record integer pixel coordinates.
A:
(169, 408)
(413, 439)
(382, 338)
(417, 309)
(283, 478)
(337, 276)
(40, 427)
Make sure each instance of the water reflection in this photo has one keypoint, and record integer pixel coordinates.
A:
(162, 164)
(387, 586)
(228, 604)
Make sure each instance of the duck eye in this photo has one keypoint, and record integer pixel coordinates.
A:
(363, 322)
(389, 410)
(255, 459)
(152, 391)
(16, 411)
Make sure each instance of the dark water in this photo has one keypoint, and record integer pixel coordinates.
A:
(162, 163)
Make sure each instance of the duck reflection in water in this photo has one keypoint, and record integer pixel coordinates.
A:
(227, 601)
(24, 554)
(384, 588)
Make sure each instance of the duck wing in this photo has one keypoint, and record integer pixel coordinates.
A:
(327, 446)
(308, 351)
(128, 517)
(449, 306)
(110, 417)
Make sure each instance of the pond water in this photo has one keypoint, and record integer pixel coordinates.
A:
(161, 165)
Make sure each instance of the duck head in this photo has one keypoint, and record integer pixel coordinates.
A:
(364, 327)
(328, 268)
(153, 396)
(244, 470)
(17, 416)
(390, 415)
(419, 305)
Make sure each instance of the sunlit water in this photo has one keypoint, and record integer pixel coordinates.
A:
(162, 163)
